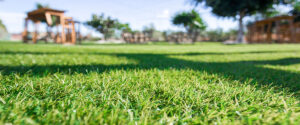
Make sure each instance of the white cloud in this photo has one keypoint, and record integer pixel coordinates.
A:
(164, 14)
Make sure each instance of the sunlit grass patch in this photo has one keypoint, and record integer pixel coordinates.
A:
(206, 83)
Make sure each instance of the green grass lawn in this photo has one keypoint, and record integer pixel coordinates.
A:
(206, 83)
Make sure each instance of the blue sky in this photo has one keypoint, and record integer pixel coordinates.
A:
(138, 13)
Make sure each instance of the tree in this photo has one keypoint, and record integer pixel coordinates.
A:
(124, 27)
(296, 10)
(240, 8)
(149, 31)
(191, 21)
(296, 7)
(2, 25)
(3, 31)
(106, 25)
(39, 6)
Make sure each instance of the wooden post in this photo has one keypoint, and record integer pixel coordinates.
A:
(278, 38)
(297, 32)
(291, 22)
(49, 24)
(48, 18)
(35, 34)
(62, 22)
(269, 33)
(262, 33)
(251, 34)
(73, 35)
(57, 40)
(25, 33)
(78, 33)
(255, 33)
(68, 36)
(248, 35)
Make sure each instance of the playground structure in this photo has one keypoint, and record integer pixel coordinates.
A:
(53, 18)
(280, 29)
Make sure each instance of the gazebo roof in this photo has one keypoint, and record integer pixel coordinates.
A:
(40, 14)
(43, 11)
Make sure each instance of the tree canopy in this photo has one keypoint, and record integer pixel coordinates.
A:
(2, 25)
(232, 8)
(39, 5)
(3, 31)
(107, 25)
(191, 21)
(296, 8)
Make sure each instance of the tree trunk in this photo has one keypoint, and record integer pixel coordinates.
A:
(105, 36)
(190, 34)
(240, 37)
(196, 33)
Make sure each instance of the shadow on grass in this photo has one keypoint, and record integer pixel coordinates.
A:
(240, 70)
(184, 54)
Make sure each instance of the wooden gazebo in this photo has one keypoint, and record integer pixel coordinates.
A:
(280, 29)
(66, 33)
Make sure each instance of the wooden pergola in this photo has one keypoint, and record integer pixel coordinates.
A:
(46, 15)
(280, 29)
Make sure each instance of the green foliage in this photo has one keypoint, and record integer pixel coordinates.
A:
(296, 6)
(39, 5)
(206, 83)
(124, 27)
(3, 31)
(190, 20)
(232, 8)
(2, 26)
(296, 10)
(107, 25)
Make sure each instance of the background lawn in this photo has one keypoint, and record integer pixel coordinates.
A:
(206, 83)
